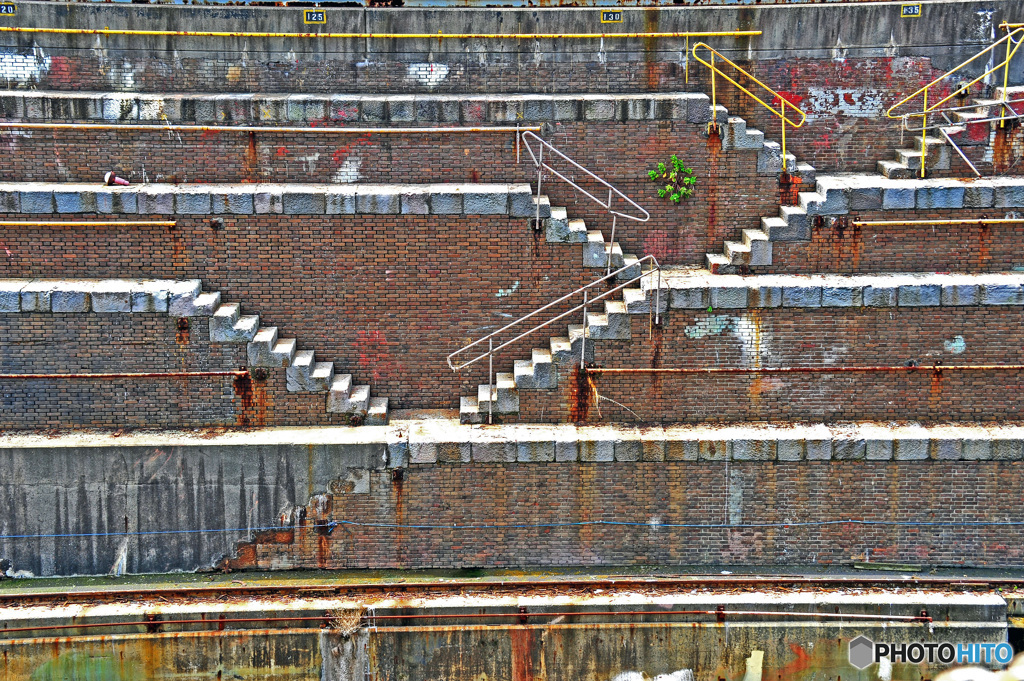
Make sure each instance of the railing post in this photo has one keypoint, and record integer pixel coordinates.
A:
(540, 173)
(782, 105)
(657, 300)
(492, 392)
(714, 100)
(924, 131)
(583, 340)
(1006, 80)
(611, 242)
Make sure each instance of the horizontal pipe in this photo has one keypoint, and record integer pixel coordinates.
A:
(146, 127)
(152, 374)
(374, 618)
(384, 36)
(892, 223)
(86, 223)
(807, 370)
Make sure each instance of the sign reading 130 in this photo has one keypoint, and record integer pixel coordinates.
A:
(314, 16)
(611, 17)
(8, 8)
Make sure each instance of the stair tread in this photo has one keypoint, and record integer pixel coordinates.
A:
(342, 383)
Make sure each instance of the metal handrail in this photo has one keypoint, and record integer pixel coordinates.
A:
(963, 89)
(538, 161)
(655, 311)
(783, 102)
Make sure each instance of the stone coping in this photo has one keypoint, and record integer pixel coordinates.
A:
(292, 109)
(515, 200)
(872, 191)
(701, 290)
(445, 441)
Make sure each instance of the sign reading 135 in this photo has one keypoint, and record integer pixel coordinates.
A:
(910, 10)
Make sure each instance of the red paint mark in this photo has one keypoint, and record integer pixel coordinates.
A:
(801, 663)
(281, 151)
(372, 352)
(790, 97)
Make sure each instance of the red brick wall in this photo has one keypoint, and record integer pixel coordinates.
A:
(793, 337)
(906, 248)
(659, 493)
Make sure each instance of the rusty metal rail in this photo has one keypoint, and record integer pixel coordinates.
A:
(937, 223)
(88, 223)
(25, 597)
(149, 374)
(332, 130)
(808, 370)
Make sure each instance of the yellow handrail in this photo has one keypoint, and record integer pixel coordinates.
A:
(783, 102)
(963, 88)
(383, 36)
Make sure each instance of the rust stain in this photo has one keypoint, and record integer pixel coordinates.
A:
(398, 483)
(984, 245)
(935, 390)
(580, 390)
(651, 56)
(1002, 150)
(523, 641)
(250, 165)
(789, 189)
(244, 391)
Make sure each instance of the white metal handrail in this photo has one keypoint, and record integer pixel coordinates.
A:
(538, 161)
(655, 311)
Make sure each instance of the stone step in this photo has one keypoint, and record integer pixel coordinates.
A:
(357, 405)
(894, 170)
(307, 375)
(181, 296)
(537, 373)
(566, 349)
(469, 411)
(736, 135)
(760, 247)
(377, 413)
(228, 326)
(341, 388)
(936, 159)
(631, 263)
(205, 304)
(930, 142)
(596, 251)
(715, 262)
(503, 395)
(769, 159)
(806, 172)
(737, 253)
(612, 324)
(545, 206)
(799, 225)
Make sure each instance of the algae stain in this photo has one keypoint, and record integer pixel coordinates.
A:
(77, 665)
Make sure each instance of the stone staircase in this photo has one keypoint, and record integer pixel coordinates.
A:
(962, 129)
(264, 348)
(755, 248)
(613, 323)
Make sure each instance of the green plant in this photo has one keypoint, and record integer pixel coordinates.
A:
(679, 180)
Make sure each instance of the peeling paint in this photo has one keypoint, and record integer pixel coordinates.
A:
(428, 74)
(23, 67)
(348, 171)
(854, 102)
(505, 292)
(709, 326)
(956, 345)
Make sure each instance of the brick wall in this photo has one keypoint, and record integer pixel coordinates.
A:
(654, 495)
(800, 337)
(906, 248)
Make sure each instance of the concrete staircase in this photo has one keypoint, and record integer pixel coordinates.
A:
(963, 129)
(610, 321)
(264, 348)
(755, 246)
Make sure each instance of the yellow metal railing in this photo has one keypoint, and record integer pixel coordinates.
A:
(781, 112)
(384, 36)
(1012, 40)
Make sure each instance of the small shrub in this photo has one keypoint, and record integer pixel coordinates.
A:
(677, 178)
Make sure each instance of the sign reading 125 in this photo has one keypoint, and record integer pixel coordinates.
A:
(8, 8)
(314, 16)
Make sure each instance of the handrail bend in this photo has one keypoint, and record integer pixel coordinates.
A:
(1012, 39)
(538, 161)
(655, 311)
(783, 102)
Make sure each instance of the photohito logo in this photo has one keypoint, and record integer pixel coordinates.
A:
(864, 652)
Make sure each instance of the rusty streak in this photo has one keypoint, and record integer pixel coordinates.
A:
(893, 223)
(151, 374)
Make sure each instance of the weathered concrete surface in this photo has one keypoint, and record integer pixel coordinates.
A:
(856, 30)
(576, 646)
